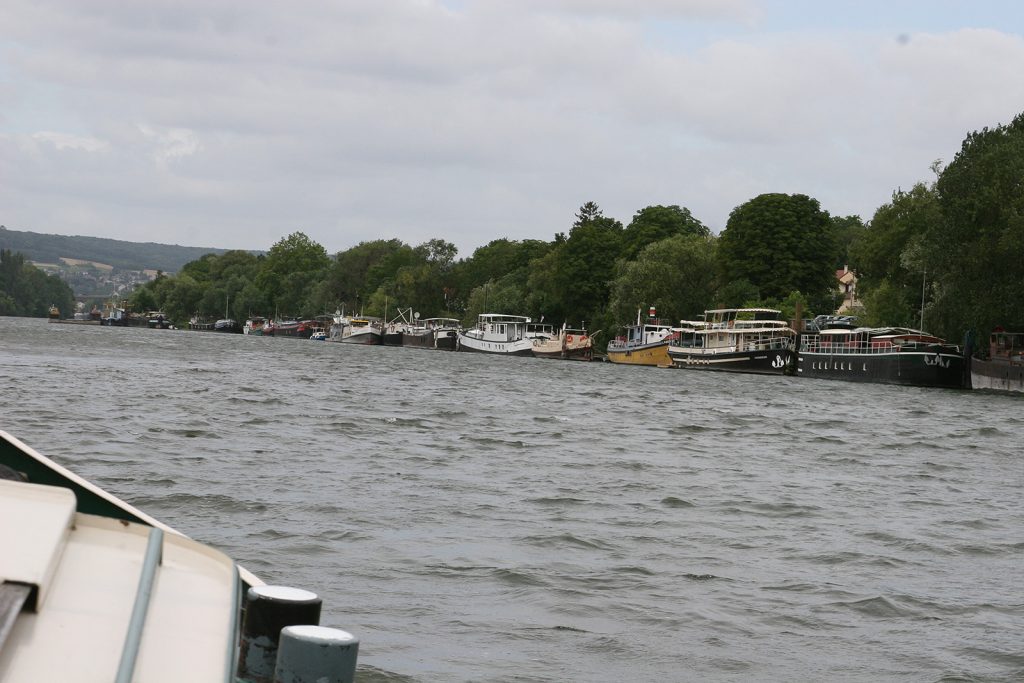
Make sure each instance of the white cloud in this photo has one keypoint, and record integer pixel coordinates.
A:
(171, 144)
(67, 141)
(236, 123)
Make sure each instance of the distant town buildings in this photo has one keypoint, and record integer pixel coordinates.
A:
(91, 280)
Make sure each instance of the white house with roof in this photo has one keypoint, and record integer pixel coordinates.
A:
(847, 284)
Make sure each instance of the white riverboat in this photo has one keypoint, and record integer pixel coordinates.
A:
(498, 333)
(751, 340)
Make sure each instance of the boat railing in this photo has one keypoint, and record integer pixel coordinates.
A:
(769, 343)
(815, 343)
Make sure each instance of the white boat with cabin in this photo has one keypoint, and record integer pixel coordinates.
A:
(498, 333)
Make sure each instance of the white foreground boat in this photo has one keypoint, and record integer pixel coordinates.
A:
(92, 589)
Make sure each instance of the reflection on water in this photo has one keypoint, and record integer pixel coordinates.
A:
(478, 518)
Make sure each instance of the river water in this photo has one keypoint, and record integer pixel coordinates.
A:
(475, 518)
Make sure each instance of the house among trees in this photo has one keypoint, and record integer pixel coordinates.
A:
(847, 289)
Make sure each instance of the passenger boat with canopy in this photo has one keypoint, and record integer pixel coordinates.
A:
(749, 340)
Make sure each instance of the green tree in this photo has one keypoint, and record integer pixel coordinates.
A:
(181, 297)
(292, 268)
(495, 260)
(780, 243)
(655, 223)
(27, 291)
(577, 281)
(878, 252)
(503, 295)
(846, 230)
(676, 274)
(888, 304)
(974, 253)
(889, 260)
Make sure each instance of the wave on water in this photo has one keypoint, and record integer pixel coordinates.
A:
(879, 607)
(558, 501)
(493, 443)
(567, 541)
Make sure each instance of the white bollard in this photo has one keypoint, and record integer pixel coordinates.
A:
(316, 653)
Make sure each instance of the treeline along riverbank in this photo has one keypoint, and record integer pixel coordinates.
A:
(948, 253)
(945, 255)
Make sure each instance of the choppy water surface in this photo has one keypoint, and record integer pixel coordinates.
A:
(474, 518)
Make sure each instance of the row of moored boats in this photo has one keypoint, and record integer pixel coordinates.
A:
(748, 340)
(755, 340)
(494, 333)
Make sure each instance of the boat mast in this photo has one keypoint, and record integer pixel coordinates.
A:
(924, 276)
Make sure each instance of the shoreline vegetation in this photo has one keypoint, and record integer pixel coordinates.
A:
(945, 255)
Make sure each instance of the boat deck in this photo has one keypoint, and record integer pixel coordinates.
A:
(108, 599)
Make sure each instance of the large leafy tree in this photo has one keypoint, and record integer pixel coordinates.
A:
(422, 282)
(495, 260)
(293, 266)
(349, 280)
(888, 257)
(211, 286)
(781, 243)
(878, 250)
(503, 295)
(976, 250)
(578, 275)
(676, 275)
(846, 231)
(655, 223)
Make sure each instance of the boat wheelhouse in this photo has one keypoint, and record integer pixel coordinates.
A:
(362, 331)
(889, 355)
(497, 333)
(445, 332)
(749, 340)
(540, 331)
(1003, 370)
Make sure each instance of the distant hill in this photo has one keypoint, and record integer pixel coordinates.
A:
(121, 255)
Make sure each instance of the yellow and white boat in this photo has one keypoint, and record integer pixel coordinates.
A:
(644, 343)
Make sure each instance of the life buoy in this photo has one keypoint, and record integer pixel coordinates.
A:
(568, 338)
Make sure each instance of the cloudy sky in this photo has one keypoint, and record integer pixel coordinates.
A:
(234, 123)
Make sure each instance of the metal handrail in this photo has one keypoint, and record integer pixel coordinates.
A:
(813, 344)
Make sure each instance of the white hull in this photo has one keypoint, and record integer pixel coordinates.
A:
(519, 347)
(361, 337)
